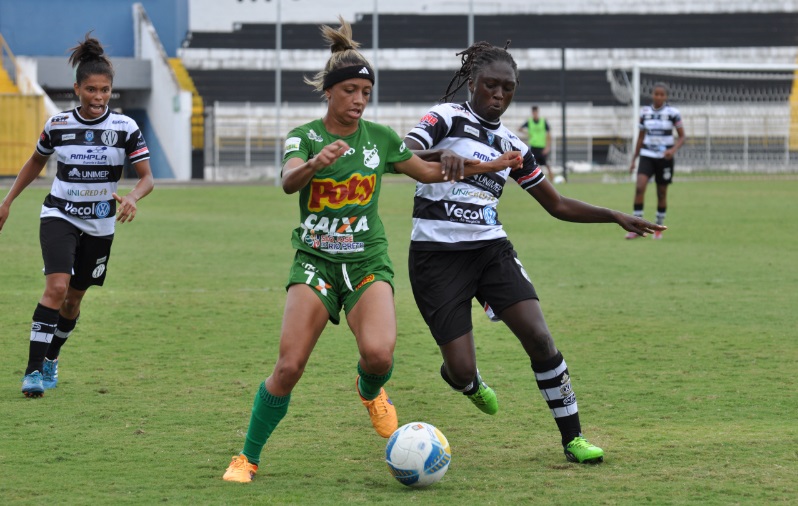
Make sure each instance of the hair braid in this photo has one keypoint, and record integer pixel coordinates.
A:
(473, 60)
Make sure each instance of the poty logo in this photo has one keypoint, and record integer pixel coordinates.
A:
(506, 146)
(325, 193)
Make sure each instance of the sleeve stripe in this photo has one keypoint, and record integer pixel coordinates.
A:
(138, 152)
(529, 177)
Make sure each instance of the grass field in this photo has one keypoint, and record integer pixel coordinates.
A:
(683, 354)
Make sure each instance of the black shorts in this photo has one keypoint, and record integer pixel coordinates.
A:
(540, 158)
(660, 168)
(66, 249)
(445, 282)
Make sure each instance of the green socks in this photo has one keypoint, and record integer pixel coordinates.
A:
(369, 385)
(267, 411)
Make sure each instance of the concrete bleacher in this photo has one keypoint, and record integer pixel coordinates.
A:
(245, 55)
(418, 31)
(235, 64)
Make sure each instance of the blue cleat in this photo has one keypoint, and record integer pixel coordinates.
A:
(32, 385)
(50, 374)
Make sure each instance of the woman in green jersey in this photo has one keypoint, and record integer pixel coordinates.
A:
(336, 164)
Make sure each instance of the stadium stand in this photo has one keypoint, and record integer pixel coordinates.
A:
(231, 58)
(424, 32)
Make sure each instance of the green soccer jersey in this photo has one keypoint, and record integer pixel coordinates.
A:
(338, 209)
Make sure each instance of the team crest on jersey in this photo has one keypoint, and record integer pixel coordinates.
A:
(109, 137)
(314, 136)
(506, 146)
(490, 138)
(89, 135)
(371, 157)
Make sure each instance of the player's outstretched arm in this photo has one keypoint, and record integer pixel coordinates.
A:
(576, 211)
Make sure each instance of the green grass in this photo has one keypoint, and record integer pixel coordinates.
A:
(683, 355)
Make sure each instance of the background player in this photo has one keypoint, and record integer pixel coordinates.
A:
(656, 148)
(538, 139)
(91, 144)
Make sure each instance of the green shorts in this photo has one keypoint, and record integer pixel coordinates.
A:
(339, 285)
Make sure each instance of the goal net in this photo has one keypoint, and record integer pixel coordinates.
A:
(737, 118)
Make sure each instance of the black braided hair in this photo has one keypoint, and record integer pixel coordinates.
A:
(88, 58)
(474, 59)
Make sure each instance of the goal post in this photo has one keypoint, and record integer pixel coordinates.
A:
(737, 117)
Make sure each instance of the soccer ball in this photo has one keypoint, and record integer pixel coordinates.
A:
(418, 454)
(559, 179)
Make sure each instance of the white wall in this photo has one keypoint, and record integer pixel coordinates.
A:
(168, 106)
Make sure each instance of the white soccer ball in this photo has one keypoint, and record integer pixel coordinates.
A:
(418, 454)
(559, 179)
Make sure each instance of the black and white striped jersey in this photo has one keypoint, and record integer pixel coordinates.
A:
(90, 159)
(657, 125)
(463, 215)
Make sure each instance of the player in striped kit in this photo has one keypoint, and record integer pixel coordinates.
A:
(459, 250)
(656, 148)
(78, 216)
(335, 165)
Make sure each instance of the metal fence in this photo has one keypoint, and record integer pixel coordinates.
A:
(241, 139)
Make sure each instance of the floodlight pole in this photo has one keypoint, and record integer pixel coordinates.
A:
(278, 93)
(635, 106)
(470, 34)
(563, 141)
(470, 22)
(375, 38)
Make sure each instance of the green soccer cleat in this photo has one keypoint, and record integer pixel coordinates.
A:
(485, 399)
(581, 451)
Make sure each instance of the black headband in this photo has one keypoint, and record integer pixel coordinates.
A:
(351, 72)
